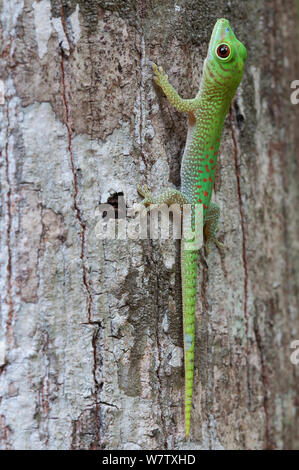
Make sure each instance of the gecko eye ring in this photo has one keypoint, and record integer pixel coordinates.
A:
(223, 51)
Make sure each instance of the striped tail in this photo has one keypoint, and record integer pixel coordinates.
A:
(189, 274)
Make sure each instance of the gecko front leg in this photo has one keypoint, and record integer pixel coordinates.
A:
(170, 196)
(173, 97)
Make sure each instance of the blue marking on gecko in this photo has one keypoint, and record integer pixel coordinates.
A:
(188, 341)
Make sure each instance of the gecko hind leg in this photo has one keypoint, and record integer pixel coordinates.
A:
(211, 227)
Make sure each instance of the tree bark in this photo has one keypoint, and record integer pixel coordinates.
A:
(91, 330)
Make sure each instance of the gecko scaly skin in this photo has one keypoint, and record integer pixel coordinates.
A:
(222, 73)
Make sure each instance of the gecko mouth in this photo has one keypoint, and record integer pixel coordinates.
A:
(221, 30)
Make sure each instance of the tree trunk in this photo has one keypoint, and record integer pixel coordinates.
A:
(91, 330)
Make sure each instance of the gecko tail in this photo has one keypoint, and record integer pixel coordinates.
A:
(189, 275)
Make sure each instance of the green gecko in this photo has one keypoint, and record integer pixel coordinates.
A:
(222, 73)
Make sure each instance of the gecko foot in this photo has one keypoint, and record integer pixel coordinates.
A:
(144, 191)
(147, 195)
(160, 76)
(219, 245)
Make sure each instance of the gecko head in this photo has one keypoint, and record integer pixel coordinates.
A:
(226, 58)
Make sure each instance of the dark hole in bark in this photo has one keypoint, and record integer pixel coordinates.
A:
(119, 209)
(239, 116)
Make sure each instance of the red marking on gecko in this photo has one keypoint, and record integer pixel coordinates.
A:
(205, 180)
(200, 171)
(210, 179)
(215, 153)
(213, 167)
(207, 169)
(192, 119)
(205, 193)
(198, 186)
(211, 161)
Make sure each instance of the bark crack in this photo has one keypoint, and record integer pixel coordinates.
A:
(91, 88)
(98, 386)
(141, 53)
(65, 29)
(243, 230)
(82, 224)
(265, 382)
(205, 308)
(9, 297)
(78, 213)
(163, 422)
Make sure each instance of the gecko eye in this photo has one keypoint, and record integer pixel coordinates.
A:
(223, 51)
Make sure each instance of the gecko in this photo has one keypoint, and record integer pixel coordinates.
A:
(221, 76)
